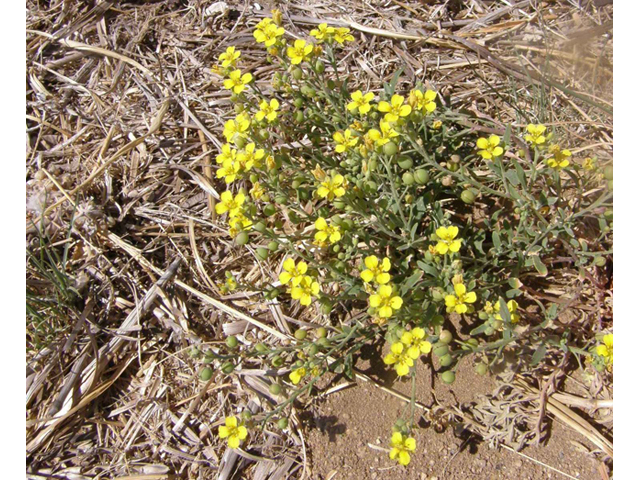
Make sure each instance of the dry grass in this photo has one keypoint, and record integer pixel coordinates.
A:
(123, 115)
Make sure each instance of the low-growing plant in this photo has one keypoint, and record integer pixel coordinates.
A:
(400, 212)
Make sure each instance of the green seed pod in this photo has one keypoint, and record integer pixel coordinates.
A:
(610, 185)
(308, 91)
(238, 108)
(275, 389)
(408, 198)
(303, 194)
(321, 332)
(608, 215)
(608, 172)
(482, 315)
(242, 238)
(489, 331)
(300, 334)
(446, 337)
(331, 84)
(273, 294)
(246, 415)
(446, 360)
(194, 352)
(481, 368)
(298, 102)
(336, 248)
(296, 73)
(448, 377)
(421, 176)
(262, 253)
(326, 308)
(254, 178)
(277, 362)
(273, 246)
(339, 204)
(313, 350)
(281, 199)
(283, 423)
(260, 227)
(467, 196)
(232, 341)
(373, 165)
(239, 141)
(296, 184)
(261, 348)
(405, 162)
(227, 368)
(324, 342)
(390, 148)
(407, 178)
(600, 261)
(599, 367)
(341, 256)
(319, 67)
(440, 350)
(437, 320)
(269, 209)
(263, 134)
(437, 294)
(206, 373)
(299, 116)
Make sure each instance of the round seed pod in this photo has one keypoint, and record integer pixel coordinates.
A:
(283, 423)
(481, 368)
(232, 341)
(468, 196)
(206, 373)
(610, 185)
(608, 215)
(407, 178)
(299, 116)
(446, 337)
(319, 67)
(390, 148)
(194, 352)
(275, 389)
(331, 84)
(440, 350)
(326, 308)
(321, 332)
(273, 293)
(246, 415)
(300, 334)
(262, 253)
(446, 360)
(273, 245)
(228, 368)
(296, 73)
(448, 377)
(608, 172)
(261, 348)
(281, 199)
(298, 102)
(259, 227)
(277, 362)
(239, 141)
(313, 349)
(269, 209)
(600, 261)
(421, 176)
(405, 162)
(489, 331)
(242, 238)
(324, 342)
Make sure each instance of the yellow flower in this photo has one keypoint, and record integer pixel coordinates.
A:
(605, 349)
(376, 270)
(415, 343)
(384, 301)
(323, 32)
(300, 51)
(236, 127)
(268, 110)
(326, 232)
(227, 154)
(401, 445)
(560, 157)
(237, 81)
(332, 188)
(512, 305)
(249, 157)
(489, 148)
(399, 358)
(361, 102)
(488, 308)
(297, 375)
(238, 223)
(292, 273)
(257, 191)
(229, 57)
(447, 244)
(306, 290)
(535, 135)
(229, 203)
(458, 301)
(343, 35)
(233, 432)
(589, 164)
(229, 171)
(267, 32)
(437, 124)
(395, 109)
(423, 102)
(384, 135)
(344, 141)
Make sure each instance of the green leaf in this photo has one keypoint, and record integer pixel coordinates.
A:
(552, 311)
(504, 311)
(514, 282)
(514, 292)
(495, 237)
(520, 172)
(479, 330)
(539, 266)
(390, 87)
(538, 354)
(512, 176)
(507, 136)
(478, 245)
(410, 282)
(428, 269)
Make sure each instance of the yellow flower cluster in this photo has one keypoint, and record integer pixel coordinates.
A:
(403, 353)
(512, 306)
(324, 33)
(535, 134)
(394, 110)
(344, 141)
(423, 102)
(448, 242)
(303, 287)
(268, 32)
(361, 102)
(268, 110)
(234, 207)
(605, 349)
(401, 446)
(327, 233)
(376, 270)
(233, 432)
(384, 300)
(237, 81)
(332, 188)
(559, 159)
(236, 163)
(384, 135)
(489, 148)
(300, 51)
(237, 127)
